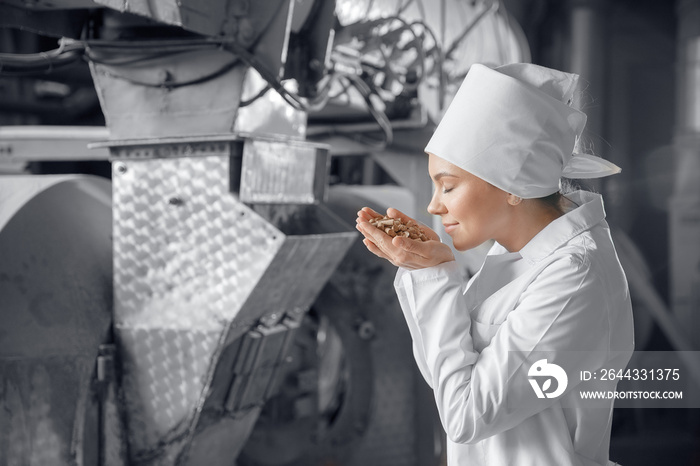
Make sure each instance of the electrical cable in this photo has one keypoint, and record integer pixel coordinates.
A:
(294, 100)
(156, 49)
(13, 64)
(177, 84)
(173, 47)
(93, 57)
(416, 44)
(403, 7)
(106, 52)
(158, 44)
(421, 8)
(421, 56)
(382, 42)
(343, 91)
(381, 118)
(262, 92)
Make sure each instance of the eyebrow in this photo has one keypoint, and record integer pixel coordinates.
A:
(442, 174)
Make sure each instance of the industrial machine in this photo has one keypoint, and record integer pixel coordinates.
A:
(212, 304)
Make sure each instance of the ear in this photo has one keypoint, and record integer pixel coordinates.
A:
(513, 199)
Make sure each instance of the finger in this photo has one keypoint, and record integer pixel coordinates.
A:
(379, 238)
(424, 253)
(374, 249)
(367, 214)
(412, 246)
(371, 212)
(396, 213)
(363, 216)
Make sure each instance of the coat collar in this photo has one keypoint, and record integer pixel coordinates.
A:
(500, 266)
(589, 213)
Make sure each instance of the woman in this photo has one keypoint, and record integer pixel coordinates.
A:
(504, 354)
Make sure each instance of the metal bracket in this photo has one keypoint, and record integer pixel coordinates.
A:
(256, 369)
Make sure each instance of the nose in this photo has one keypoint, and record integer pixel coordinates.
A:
(436, 207)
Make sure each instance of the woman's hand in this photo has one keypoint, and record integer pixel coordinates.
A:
(402, 252)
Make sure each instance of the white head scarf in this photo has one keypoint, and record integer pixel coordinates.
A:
(512, 126)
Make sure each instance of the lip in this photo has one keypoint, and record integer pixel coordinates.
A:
(449, 227)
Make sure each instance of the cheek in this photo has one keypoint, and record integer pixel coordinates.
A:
(476, 215)
(468, 208)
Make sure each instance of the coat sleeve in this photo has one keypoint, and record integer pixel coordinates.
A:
(563, 311)
(404, 291)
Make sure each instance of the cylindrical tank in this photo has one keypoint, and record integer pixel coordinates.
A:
(55, 307)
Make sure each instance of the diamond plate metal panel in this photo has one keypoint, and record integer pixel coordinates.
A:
(187, 254)
(316, 243)
(182, 243)
(279, 172)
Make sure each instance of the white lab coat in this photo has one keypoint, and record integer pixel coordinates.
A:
(565, 293)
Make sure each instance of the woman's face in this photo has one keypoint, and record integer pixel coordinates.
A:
(472, 210)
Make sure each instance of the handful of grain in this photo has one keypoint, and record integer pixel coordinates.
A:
(395, 227)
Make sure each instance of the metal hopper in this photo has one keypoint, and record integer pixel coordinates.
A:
(209, 289)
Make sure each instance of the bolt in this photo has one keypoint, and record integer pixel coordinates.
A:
(366, 330)
(120, 167)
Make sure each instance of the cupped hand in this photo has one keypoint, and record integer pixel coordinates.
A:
(400, 251)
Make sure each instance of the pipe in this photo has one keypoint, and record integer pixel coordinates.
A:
(587, 58)
(685, 204)
(688, 70)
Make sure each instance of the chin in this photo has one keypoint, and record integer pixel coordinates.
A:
(464, 242)
(463, 245)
